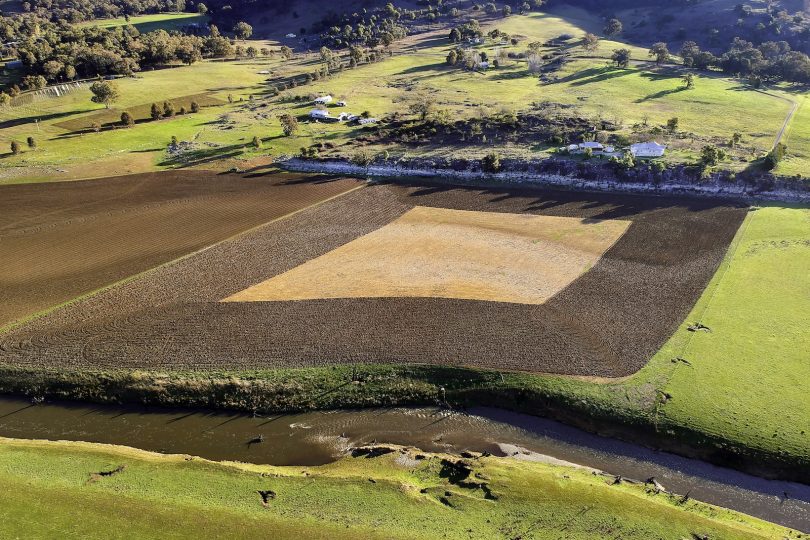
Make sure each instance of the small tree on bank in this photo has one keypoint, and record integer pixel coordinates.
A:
(621, 57)
(32, 143)
(15, 147)
(155, 112)
(256, 142)
(126, 119)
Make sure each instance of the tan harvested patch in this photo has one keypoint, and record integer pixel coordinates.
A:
(443, 253)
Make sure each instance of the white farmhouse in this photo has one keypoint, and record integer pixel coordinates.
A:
(323, 100)
(647, 150)
(319, 114)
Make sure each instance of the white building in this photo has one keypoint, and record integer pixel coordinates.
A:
(291, 35)
(364, 121)
(323, 100)
(592, 145)
(319, 114)
(647, 149)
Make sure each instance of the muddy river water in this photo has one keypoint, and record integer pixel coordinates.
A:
(319, 437)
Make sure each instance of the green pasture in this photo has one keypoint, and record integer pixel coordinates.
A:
(149, 23)
(49, 490)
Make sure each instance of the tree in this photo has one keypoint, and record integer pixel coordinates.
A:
(242, 30)
(168, 109)
(688, 81)
(672, 124)
(507, 10)
(34, 82)
(621, 57)
(256, 142)
(423, 106)
(15, 147)
(70, 73)
(5, 99)
(195, 107)
(660, 52)
(126, 119)
(590, 42)
(202, 9)
(491, 163)
(452, 58)
(155, 112)
(455, 35)
(174, 141)
(289, 124)
(105, 92)
(613, 27)
(711, 155)
(32, 143)
(252, 52)
(286, 52)
(776, 155)
(736, 139)
(490, 8)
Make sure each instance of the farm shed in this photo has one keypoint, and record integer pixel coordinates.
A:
(323, 100)
(647, 149)
(593, 145)
(319, 114)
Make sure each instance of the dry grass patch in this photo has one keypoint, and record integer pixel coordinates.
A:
(446, 253)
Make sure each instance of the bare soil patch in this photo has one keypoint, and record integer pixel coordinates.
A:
(61, 240)
(608, 322)
(442, 253)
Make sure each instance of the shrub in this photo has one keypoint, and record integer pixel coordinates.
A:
(126, 119)
(491, 163)
(15, 147)
(155, 112)
(195, 107)
(775, 156)
(32, 143)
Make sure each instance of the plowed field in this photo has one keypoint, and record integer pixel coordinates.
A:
(62, 240)
(608, 321)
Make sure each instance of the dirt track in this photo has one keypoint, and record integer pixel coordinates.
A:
(608, 322)
(61, 240)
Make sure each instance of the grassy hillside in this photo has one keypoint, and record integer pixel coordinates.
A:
(51, 487)
(640, 99)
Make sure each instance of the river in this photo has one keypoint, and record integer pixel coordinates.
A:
(319, 437)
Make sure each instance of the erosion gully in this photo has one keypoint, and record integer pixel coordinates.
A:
(315, 438)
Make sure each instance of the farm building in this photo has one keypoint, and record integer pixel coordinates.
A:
(364, 121)
(319, 114)
(323, 100)
(592, 145)
(647, 149)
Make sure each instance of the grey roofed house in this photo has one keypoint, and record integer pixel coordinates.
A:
(648, 149)
(319, 114)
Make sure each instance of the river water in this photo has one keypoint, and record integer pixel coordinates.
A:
(315, 438)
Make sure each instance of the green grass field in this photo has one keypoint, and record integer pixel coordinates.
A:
(149, 23)
(797, 139)
(48, 490)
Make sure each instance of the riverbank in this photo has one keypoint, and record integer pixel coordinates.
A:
(389, 492)
(537, 174)
(321, 437)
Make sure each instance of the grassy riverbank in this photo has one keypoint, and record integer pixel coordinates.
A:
(59, 486)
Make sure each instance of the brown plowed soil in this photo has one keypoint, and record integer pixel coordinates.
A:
(608, 322)
(61, 240)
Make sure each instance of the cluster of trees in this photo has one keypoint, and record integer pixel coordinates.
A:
(772, 60)
(379, 28)
(85, 10)
(64, 52)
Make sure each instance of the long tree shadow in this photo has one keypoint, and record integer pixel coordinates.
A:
(660, 94)
(594, 75)
(39, 117)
